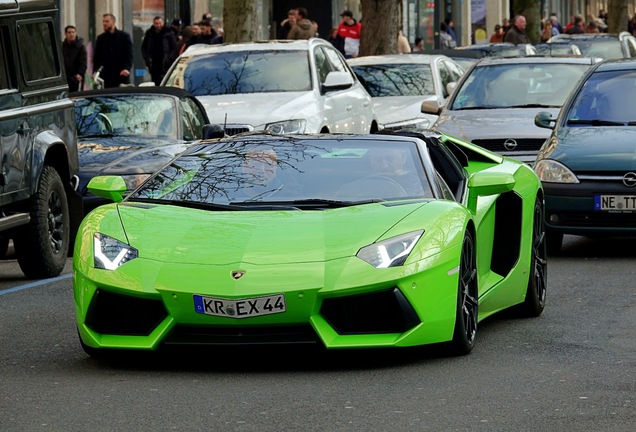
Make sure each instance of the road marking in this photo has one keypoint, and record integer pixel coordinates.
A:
(35, 284)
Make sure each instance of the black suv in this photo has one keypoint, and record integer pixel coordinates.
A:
(38, 148)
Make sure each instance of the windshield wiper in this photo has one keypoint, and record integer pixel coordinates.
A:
(189, 204)
(310, 203)
(99, 135)
(533, 105)
(599, 122)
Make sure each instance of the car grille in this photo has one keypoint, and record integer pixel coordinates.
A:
(523, 144)
(117, 314)
(380, 312)
(190, 335)
(237, 129)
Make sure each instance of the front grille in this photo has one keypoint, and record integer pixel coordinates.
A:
(380, 312)
(523, 144)
(597, 220)
(189, 335)
(236, 129)
(117, 314)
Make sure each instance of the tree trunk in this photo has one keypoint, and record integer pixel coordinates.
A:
(617, 16)
(381, 22)
(239, 21)
(530, 10)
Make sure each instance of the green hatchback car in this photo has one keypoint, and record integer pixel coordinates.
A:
(345, 241)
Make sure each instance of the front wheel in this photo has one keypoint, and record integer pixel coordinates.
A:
(537, 283)
(41, 248)
(467, 306)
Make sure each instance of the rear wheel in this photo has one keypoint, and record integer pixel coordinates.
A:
(41, 248)
(537, 283)
(467, 306)
(554, 241)
(4, 247)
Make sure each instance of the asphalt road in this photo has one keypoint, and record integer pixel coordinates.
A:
(572, 369)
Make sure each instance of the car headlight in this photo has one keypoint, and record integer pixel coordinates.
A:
(287, 127)
(134, 180)
(420, 123)
(110, 253)
(392, 252)
(551, 171)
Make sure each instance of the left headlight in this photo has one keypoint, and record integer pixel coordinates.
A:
(110, 253)
(551, 171)
(287, 127)
(392, 252)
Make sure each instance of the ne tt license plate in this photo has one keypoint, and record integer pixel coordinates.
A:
(615, 202)
(240, 308)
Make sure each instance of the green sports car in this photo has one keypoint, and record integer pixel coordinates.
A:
(349, 241)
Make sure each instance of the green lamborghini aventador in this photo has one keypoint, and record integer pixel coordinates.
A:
(348, 241)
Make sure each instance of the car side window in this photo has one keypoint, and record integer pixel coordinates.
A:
(192, 120)
(5, 80)
(454, 71)
(445, 77)
(322, 64)
(38, 50)
(631, 44)
(336, 62)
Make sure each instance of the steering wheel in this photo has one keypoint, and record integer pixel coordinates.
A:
(397, 187)
(104, 121)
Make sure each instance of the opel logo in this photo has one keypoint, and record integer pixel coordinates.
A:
(237, 274)
(629, 179)
(510, 144)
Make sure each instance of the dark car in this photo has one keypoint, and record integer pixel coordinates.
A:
(604, 45)
(588, 165)
(133, 131)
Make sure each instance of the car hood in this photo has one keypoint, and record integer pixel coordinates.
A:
(493, 123)
(394, 109)
(258, 109)
(264, 237)
(596, 148)
(124, 155)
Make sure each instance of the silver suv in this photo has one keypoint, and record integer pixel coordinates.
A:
(38, 149)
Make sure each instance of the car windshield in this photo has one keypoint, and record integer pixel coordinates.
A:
(604, 48)
(521, 85)
(242, 72)
(606, 99)
(139, 115)
(383, 80)
(291, 171)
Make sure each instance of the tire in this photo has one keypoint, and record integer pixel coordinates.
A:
(4, 248)
(41, 248)
(554, 241)
(537, 282)
(467, 305)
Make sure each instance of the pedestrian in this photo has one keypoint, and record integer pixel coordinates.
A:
(113, 54)
(171, 44)
(577, 26)
(419, 45)
(287, 24)
(517, 34)
(303, 29)
(546, 34)
(592, 27)
(75, 59)
(403, 45)
(348, 40)
(497, 35)
(555, 22)
(450, 29)
(184, 39)
(207, 33)
(152, 49)
(445, 39)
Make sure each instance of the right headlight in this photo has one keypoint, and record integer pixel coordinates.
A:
(551, 171)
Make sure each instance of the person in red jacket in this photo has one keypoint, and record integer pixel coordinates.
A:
(348, 39)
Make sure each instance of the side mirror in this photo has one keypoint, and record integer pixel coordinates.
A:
(450, 87)
(109, 187)
(337, 80)
(432, 106)
(212, 131)
(544, 119)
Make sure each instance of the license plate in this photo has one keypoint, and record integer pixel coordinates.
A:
(240, 308)
(615, 202)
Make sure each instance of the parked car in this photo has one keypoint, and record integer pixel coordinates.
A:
(38, 151)
(464, 57)
(604, 45)
(345, 241)
(495, 103)
(500, 49)
(302, 86)
(587, 166)
(398, 84)
(132, 132)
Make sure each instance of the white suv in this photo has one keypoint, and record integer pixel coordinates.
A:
(302, 86)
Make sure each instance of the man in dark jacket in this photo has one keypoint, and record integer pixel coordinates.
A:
(303, 28)
(517, 34)
(113, 54)
(156, 49)
(74, 53)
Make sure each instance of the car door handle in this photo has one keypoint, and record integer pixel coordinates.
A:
(365, 103)
(349, 107)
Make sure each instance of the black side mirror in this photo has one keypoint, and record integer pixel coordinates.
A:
(212, 131)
